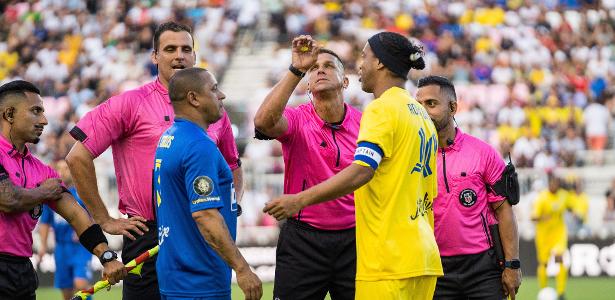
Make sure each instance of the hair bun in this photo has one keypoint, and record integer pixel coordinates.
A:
(416, 56)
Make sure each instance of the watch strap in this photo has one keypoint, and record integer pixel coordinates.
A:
(296, 71)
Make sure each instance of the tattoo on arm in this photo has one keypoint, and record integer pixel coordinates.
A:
(9, 198)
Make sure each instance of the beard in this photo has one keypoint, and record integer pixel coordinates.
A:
(440, 125)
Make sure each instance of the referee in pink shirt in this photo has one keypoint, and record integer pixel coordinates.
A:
(26, 184)
(466, 206)
(316, 250)
(131, 123)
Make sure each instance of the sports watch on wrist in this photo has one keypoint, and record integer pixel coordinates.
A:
(512, 264)
(296, 71)
(107, 256)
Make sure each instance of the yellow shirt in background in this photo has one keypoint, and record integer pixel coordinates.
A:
(551, 208)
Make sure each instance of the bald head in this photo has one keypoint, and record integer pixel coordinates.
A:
(195, 95)
(188, 80)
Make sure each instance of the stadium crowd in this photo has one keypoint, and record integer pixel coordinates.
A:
(533, 77)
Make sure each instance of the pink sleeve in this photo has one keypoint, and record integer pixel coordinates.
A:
(293, 117)
(226, 143)
(493, 168)
(106, 123)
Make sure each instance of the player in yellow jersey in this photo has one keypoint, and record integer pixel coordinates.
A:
(394, 177)
(551, 232)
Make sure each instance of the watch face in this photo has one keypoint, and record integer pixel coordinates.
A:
(108, 255)
(516, 264)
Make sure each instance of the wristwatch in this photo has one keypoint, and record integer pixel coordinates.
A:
(512, 264)
(107, 256)
(296, 71)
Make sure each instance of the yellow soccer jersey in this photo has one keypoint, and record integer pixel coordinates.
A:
(580, 205)
(551, 208)
(394, 211)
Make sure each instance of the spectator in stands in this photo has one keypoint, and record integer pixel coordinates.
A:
(597, 123)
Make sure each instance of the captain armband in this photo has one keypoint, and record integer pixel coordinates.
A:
(368, 153)
(508, 185)
(91, 237)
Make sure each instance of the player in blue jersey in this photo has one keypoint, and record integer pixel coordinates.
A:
(72, 259)
(195, 199)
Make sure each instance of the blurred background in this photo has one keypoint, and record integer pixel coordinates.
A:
(534, 79)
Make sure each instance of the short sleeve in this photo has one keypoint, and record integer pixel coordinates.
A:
(226, 143)
(492, 173)
(201, 176)
(47, 216)
(103, 125)
(293, 119)
(377, 127)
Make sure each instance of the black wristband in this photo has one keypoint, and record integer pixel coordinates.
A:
(91, 237)
(296, 71)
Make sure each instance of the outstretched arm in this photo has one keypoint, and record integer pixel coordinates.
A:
(343, 183)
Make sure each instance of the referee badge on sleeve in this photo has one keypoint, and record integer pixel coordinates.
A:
(203, 185)
(36, 212)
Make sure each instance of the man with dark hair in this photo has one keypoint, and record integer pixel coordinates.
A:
(26, 184)
(320, 138)
(194, 186)
(131, 123)
(467, 206)
(393, 177)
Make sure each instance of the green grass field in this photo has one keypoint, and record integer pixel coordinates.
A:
(578, 289)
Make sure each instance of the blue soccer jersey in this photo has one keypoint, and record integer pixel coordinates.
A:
(190, 175)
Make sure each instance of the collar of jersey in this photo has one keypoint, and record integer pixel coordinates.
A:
(456, 146)
(8, 147)
(322, 124)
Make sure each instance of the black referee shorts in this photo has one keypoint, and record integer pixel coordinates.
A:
(145, 286)
(474, 276)
(18, 280)
(311, 262)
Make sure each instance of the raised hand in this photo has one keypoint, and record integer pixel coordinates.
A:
(305, 52)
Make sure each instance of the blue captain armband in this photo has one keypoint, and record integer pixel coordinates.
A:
(369, 153)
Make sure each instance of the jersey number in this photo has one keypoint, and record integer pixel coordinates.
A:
(428, 147)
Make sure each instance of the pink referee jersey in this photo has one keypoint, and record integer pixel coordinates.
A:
(131, 123)
(462, 209)
(313, 152)
(25, 171)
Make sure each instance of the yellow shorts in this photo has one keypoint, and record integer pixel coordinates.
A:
(544, 251)
(415, 288)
